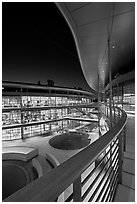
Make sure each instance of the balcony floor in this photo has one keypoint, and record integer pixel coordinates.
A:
(126, 190)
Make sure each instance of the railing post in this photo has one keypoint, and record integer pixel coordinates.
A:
(110, 84)
(120, 159)
(77, 190)
(98, 109)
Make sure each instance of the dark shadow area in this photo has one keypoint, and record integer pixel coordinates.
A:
(15, 175)
(70, 141)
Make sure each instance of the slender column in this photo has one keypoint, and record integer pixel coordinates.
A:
(98, 108)
(114, 112)
(124, 139)
(122, 95)
(110, 83)
(107, 111)
(22, 132)
(118, 94)
(105, 104)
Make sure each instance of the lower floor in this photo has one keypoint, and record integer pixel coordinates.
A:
(41, 142)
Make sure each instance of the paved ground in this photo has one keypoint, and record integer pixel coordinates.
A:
(126, 190)
(70, 141)
(42, 144)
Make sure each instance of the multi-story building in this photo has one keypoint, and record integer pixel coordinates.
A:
(31, 110)
(104, 171)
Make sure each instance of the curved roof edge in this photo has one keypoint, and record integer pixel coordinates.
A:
(44, 87)
(75, 34)
(122, 79)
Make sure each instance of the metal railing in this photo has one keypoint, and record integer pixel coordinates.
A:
(90, 175)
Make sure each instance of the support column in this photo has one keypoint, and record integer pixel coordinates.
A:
(110, 83)
(122, 95)
(22, 132)
(98, 109)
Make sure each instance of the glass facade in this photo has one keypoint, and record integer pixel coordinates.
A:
(124, 96)
(12, 101)
(27, 116)
(38, 101)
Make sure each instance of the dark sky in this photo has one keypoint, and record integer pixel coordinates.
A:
(37, 44)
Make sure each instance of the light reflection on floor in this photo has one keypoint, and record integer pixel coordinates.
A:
(42, 144)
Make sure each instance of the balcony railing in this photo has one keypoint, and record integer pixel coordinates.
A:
(90, 175)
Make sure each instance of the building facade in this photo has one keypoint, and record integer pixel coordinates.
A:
(32, 110)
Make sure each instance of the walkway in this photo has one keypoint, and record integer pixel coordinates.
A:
(42, 144)
(126, 191)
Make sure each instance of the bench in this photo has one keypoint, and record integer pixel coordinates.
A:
(19, 153)
(43, 165)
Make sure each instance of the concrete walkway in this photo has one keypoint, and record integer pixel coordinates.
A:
(126, 190)
(42, 144)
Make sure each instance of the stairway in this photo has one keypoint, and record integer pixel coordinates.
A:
(126, 190)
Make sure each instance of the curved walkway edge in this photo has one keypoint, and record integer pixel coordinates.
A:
(126, 190)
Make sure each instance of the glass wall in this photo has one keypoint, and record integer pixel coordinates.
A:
(38, 101)
(124, 96)
(11, 134)
(35, 120)
(11, 101)
(12, 117)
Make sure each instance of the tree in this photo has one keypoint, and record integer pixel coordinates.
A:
(39, 83)
(50, 82)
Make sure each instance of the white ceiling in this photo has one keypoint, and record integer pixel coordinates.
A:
(92, 23)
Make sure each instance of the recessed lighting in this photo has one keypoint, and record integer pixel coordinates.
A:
(113, 46)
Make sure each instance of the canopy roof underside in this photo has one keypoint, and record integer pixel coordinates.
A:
(92, 25)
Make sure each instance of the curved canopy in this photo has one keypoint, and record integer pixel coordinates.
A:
(92, 25)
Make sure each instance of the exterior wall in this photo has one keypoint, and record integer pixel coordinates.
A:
(124, 96)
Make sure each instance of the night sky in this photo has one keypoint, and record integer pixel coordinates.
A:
(37, 45)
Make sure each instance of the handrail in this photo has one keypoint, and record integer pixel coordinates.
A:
(50, 186)
(121, 79)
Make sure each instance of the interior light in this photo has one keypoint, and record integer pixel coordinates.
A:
(127, 94)
(113, 46)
